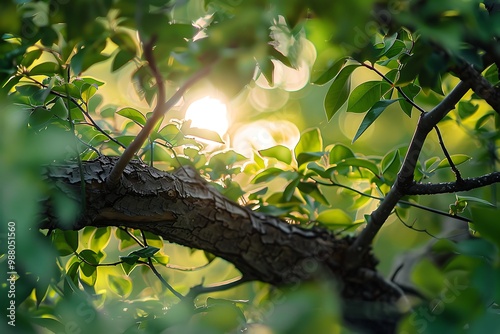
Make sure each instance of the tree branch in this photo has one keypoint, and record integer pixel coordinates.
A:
(161, 108)
(404, 180)
(452, 187)
(182, 208)
(479, 85)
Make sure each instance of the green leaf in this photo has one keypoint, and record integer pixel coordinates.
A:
(339, 91)
(357, 162)
(371, 116)
(390, 166)
(30, 57)
(129, 259)
(312, 190)
(365, 95)
(340, 152)
(475, 200)
(128, 267)
(411, 91)
(466, 109)
(39, 117)
(457, 159)
(334, 218)
(66, 242)
(269, 174)
(331, 72)
(122, 58)
(279, 152)
(120, 285)
(309, 156)
(59, 109)
(47, 68)
(100, 238)
(203, 134)
(486, 223)
(132, 114)
(90, 256)
(145, 252)
(290, 189)
(310, 141)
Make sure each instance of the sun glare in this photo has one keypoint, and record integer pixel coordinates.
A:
(208, 113)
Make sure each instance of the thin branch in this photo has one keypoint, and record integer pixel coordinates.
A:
(458, 176)
(405, 177)
(181, 268)
(221, 286)
(418, 206)
(132, 236)
(161, 108)
(453, 187)
(162, 280)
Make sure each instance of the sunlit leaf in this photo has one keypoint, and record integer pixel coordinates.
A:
(375, 111)
(203, 134)
(357, 162)
(339, 91)
(364, 96)
(133, 114)
(334, 217)
(145, 252)
(312, 190)
(279, 152)
(310, 141)
(121, 285)
(456, 158)
(331, 72)
(340, 152)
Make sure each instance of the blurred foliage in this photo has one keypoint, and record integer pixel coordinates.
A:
(373, 59)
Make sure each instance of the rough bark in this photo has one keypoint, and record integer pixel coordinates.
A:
(182, 208)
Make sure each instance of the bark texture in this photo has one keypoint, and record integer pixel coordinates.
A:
(182, 208)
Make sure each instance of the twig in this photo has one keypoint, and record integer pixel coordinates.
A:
(162, 280)
(447, 155)
(221, 286)
(418, 206)
(453, 187)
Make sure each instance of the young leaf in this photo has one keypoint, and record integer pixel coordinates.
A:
(132, 114)
(312, 190)
(365, 95)
(457, 159)
(357, 162)
(279, 152)
(121, 59)
(203, 134)
(310, 141)
(340, 152)
(334, 217)
(339, 91)
(145, 252)
(371, 116)
(331, 72)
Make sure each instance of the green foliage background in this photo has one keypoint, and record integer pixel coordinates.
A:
(75, 84)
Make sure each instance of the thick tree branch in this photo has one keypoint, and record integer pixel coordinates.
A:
(452, 187)
(404, 180)
(182, 208)
(479, 85)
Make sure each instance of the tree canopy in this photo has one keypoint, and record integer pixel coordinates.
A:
(260, 166)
